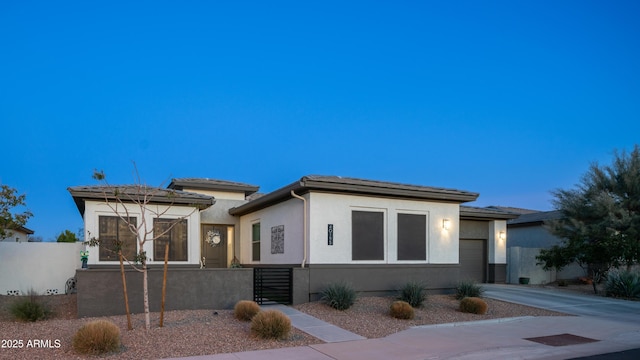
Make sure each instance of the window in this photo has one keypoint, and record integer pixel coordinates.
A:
(172, 232)
(255, 242)
(412, 237)
(112, 230)
(367, 235)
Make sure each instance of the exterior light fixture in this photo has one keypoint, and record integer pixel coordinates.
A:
(502, 235)
(446, 224)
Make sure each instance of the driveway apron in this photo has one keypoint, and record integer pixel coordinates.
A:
(566, 302)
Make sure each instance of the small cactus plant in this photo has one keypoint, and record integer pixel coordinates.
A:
(401, 310)
(473, 305)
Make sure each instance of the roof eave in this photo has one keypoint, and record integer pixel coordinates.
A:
(471, 213)
(80, 197)
(444, 195)
(306, 184)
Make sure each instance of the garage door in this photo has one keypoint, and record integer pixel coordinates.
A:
(473, 263)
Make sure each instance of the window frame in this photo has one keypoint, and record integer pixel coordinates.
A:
(121, 225)
(159, 242)
(255, 255)
(412, 248)
(361, 250)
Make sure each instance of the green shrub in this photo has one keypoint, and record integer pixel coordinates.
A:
(30, 308)
(624, 284)
(413, 293)
(97, 337)
(468, 289)
(339, 296)
(401, 310)
(563, 283)
(271, 324)
(245, 310)
(473, 305)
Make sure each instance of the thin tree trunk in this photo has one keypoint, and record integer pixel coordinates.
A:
(145, 287)
(164, 283)
(126, 296)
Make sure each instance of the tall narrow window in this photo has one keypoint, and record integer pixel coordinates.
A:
(255, 242)
(412, 237)
(367, 235)
(172, 232)
(114, 233)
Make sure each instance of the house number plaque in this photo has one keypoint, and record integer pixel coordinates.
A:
(330, 235)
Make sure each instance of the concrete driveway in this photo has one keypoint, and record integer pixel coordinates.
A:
(567, 302)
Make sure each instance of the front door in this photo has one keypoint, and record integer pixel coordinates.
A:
(214, 245)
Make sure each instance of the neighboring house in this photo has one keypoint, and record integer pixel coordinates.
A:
(19, 234)
(376, 235)
(528, 233)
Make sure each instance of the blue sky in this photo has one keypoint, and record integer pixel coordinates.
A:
(511, 99)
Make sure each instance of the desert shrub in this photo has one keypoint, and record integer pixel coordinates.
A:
(339, 296)
(97, 337)
(468, 289)
(245, 310)
(473, 305)
(401, 310)
(413, 293)
(271, 324)
(624, 284)
(30, 308)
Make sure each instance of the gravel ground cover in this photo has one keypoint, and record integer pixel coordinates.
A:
(201, 332)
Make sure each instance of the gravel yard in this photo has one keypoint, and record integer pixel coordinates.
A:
(201, 332)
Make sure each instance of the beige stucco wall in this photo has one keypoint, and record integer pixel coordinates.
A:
(289, 214)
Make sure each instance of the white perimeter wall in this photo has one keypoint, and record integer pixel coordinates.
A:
(325, 209)
(94, 209)
(37, 266)
(289, 214)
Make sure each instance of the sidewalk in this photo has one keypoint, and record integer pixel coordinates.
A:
(491, 339)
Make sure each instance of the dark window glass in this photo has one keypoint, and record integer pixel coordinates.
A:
(172, 232)
(367, 235)
(114, 231)
(255, 242)
(412, 237)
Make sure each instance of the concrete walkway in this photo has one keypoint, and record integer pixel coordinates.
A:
(315, 327)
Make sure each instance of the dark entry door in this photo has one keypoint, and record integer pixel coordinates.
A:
(214, 245)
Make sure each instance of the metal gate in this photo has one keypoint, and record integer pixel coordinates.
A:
(273, 285)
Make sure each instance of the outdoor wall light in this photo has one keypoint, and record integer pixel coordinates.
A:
(446, 224)
(502, 235)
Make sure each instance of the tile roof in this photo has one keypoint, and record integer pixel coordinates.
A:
(157, 195)
(212, 184)
(535, 218)
(338, 184)
(472, 212)
(514, 210)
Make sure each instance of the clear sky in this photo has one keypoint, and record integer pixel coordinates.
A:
(510, 99)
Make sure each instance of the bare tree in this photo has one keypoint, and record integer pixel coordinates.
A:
(142, 197)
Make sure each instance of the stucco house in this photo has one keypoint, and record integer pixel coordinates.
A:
(18, 234)
(375, 235)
